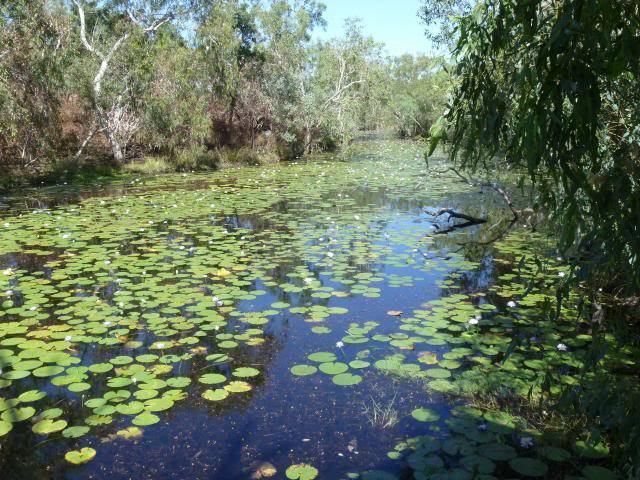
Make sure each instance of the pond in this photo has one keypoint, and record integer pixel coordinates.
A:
(305, 320)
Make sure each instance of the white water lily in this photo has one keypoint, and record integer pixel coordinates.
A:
(134, 379)
(160, 345)
(339, 344)
(8, 271)
(526, 442)
(68, 338)
(562, 347)
(106, 323)
(308, 280)
(511, 304)
(561, 274)
(330, 254)
(217, 301)
(107, 262)
(474, 321)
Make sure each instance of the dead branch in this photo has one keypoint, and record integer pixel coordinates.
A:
(475, 183)
(453, 214)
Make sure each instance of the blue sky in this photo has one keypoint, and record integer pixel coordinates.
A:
(393, 22)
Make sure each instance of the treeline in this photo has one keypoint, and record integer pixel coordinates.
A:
(193, 84)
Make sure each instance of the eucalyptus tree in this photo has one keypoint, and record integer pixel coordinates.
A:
(34, 55)
(114, 115)
(231, 55)
(335, 88)
(418, 93)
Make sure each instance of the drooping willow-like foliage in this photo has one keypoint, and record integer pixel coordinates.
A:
(552, 88)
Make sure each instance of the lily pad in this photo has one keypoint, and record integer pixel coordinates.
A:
(425, 415)
(78, 457)
(301, 471)
(529, 467)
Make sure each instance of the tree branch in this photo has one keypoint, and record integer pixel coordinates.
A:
(491, 185)
(83, 31)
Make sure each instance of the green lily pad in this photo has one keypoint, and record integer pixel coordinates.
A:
(333, 368)
(78, 457)
(212, 378)
(322, 357)
(5, 427)
(145, 419)
(245, 372)
(215, 395)
(75, 432)
(596, 472)
(45, 427)
(303, 370)
(301, 471)
(529, 467)
(425, 415)
(346, 379)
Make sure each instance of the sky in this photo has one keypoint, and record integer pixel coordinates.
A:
(393, 22)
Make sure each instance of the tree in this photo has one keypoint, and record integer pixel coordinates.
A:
(418, 94)
(552, 89)
(34, 53)
(113, 115)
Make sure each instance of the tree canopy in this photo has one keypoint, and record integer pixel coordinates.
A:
(551, 89)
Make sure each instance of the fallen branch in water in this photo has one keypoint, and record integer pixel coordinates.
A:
(453, 214)
(493, 186)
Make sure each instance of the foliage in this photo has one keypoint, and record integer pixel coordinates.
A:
(418, 93)
(552, 88)
(122, 79)
(34, 51)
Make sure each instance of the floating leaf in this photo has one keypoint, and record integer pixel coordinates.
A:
(301, 471)
(78, 457)
(425, 415)
(529, 467)
(303, 370)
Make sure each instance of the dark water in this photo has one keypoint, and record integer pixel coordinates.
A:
(369, 211)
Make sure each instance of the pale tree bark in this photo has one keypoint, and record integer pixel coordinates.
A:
(116, 121)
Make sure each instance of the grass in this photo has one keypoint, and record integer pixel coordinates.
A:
(151, 165)
(381, 414)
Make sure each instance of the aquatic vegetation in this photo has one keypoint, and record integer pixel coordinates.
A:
(286, 296)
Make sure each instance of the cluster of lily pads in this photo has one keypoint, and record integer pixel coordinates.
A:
(116, 308)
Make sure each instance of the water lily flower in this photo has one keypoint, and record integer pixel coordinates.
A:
(107, 262)
(511, 304)
(8, 271)
(33, 309)
(68, 338)
(357, 217)
(562, 347)
(526, 442)
(330, 254)
(561, 274)
(217, 301)
(339, 344)
(473, 321)
(308, 280)
(106, 323)
(134, 379)
(160, 345)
